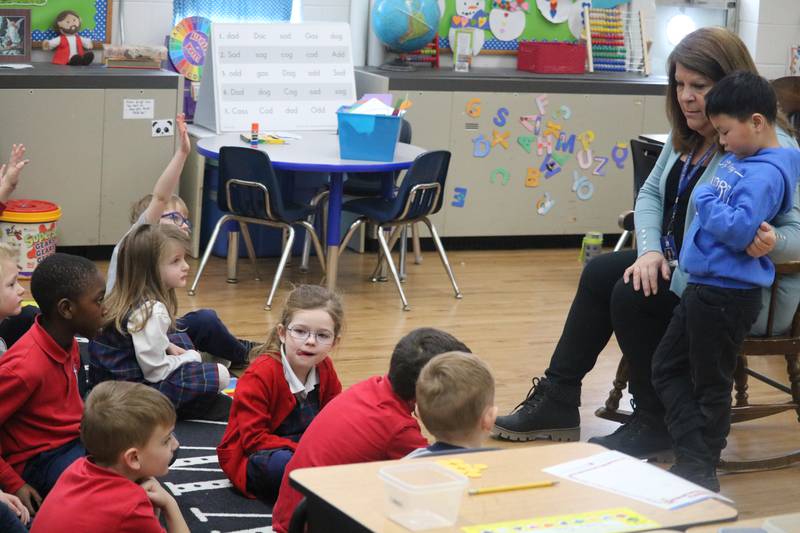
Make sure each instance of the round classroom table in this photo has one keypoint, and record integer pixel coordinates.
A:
(318, 152)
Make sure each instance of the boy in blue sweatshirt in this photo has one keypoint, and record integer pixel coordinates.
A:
(694, 363)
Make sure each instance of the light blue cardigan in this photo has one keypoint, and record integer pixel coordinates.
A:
(650, 214)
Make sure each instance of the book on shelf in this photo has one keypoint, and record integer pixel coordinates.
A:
(133, 63)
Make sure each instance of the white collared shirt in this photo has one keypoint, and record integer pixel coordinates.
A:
(295, 385)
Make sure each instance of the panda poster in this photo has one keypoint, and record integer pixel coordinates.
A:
(498, 25)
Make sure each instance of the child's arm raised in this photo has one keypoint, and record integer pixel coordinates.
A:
(9, 173)
(168, 181)
(164, 502)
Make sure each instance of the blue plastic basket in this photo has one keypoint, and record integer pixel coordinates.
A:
(367, 137)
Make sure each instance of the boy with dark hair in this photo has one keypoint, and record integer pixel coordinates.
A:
(163, 206)
(40, 412)
(127, 430)
(694, 363)
(370, 421)
(455, 401)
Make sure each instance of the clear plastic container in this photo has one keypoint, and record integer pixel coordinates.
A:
(422, 495)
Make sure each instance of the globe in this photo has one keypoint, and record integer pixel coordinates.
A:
(405, 25)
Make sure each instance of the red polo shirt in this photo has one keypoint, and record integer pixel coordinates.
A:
(40, 406)
(92, 499)
(367, 422)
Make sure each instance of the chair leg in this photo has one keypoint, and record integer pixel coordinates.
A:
(403, 251)
(793, 368)
(307, 240)
(388, 254)
(214, 234)
(349, 235)
(443, 256)
(416, 243)
(287, 250)
(284, 237)
(622, 240)
(379, 273)
(312, 236)
(251, 252)
(740, 381)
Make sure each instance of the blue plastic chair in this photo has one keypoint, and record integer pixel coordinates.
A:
(251, 193)
(419, 195)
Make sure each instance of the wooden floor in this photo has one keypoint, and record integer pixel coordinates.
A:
(512, 313)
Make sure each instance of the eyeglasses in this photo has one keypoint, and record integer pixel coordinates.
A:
(178, 219)
(302, 334)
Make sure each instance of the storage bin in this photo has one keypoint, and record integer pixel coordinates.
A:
(551, 58)
(367, 137)
(29, 227)
(422, 495)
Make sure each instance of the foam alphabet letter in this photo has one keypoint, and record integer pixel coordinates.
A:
(544, 204)
(586, 138)
(550, 167)
(500, 119)
(503, 173)
(585, 159)
(474, 107)
(565, 145)
(532, 179)
(581, 186)
(525, 142)
(541, 104)
(619, 154)
(480, 146)
(459, 196)
(500, 138)
(600, 170)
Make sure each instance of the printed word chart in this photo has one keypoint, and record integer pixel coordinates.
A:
(282, 76)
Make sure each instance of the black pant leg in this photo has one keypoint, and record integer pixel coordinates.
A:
(640, 323)
(719, 319)
(588, 325)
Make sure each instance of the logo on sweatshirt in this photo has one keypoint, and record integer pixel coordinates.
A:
(721, 186)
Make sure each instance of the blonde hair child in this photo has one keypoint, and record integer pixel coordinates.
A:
(140, 341)
(291, 377)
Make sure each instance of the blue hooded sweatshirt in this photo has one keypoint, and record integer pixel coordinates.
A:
(729, 209)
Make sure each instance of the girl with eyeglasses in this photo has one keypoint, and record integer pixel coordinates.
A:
(289, 380)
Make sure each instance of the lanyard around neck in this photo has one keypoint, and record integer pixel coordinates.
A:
(686, 178)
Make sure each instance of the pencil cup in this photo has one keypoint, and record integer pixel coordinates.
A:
(422, 495)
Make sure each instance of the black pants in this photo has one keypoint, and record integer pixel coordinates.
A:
(603, 305)
(693, 367)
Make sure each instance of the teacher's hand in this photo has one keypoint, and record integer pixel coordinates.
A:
(764, 241)
(645, 271)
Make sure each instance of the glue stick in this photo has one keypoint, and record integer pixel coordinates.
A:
(254, 134)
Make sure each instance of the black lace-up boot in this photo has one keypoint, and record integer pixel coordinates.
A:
(549, 411)
(644, 435)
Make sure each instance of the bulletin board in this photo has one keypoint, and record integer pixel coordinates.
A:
(95, 17)
(500, 24)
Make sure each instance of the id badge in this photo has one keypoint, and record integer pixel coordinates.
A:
(669, 249)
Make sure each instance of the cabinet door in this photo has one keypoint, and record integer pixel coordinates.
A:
(132, 158)
(62, 130)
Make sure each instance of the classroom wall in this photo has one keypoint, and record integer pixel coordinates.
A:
(769, 28)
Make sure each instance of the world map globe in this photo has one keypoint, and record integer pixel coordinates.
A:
(405, 25)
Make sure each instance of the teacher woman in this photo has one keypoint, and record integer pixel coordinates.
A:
(632, 293)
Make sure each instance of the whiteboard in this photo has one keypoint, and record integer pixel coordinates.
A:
(282, 76)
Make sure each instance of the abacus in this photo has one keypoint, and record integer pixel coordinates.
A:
(616, 40)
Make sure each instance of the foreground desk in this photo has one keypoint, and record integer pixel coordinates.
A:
(350, 497)
(318, 152)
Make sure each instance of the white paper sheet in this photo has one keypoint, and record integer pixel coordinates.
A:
(625, 475)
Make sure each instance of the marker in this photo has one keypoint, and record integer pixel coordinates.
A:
(509, 488)
(254, 135)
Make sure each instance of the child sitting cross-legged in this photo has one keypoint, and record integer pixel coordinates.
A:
(40, 406)
(290, 379)
(127, 429)
(140, 341)
(455, 401)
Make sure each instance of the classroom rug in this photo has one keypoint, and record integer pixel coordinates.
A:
(207, 499)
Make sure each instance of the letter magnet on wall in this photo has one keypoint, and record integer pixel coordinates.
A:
(500, 119)
(585, 159)
(563, 112)
(541, 104)
(619, 154)
(550, 167)
(581, 186)
(525, 141)
(586, 138)
(480, 146)
(544, 204)
(459, 197)
(533, 176)
(503, 173)
(600, 169)
(474, 107)
(500, 138)
(532, 123)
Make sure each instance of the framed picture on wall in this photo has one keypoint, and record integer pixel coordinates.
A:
(15, 35)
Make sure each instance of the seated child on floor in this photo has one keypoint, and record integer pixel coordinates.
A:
(370, 421)
(163, 206)
(455, 401)
(290, 379)
(40, 411)
(127, 429)
(140, 341)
